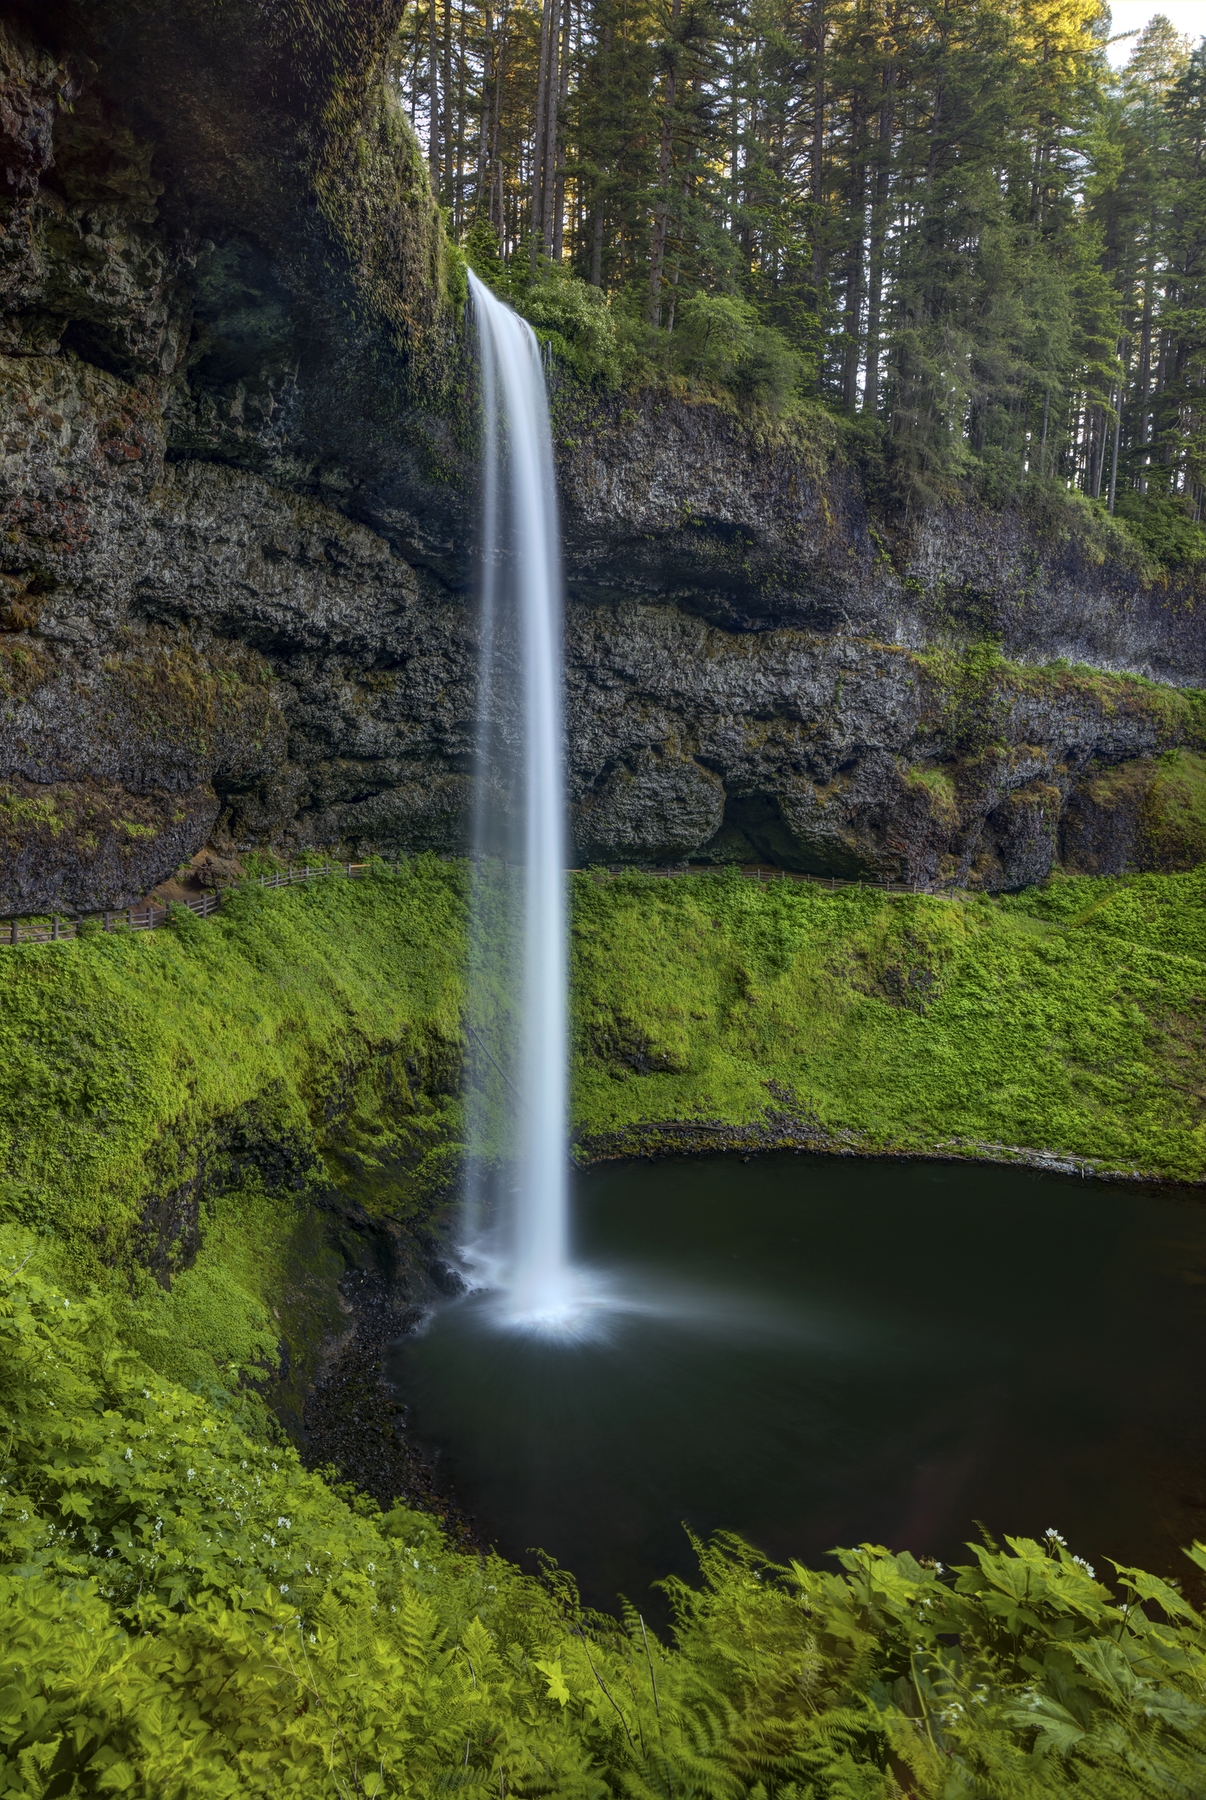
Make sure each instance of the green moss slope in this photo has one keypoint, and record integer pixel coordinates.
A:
(168, 1098)
(170, 1101)
(1068, 1019)
(185, 1611)
(119, 1053)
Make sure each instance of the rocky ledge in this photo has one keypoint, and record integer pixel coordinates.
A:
(236, 505)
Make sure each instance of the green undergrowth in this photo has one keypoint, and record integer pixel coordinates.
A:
(1173, 820)
(169, 1099)
(174, 1104)
(186, 1613)
(1066, 1019)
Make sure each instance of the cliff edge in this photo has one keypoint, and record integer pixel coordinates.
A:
(236, 498)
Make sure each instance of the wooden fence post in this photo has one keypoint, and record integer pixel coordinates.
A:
(16, 933)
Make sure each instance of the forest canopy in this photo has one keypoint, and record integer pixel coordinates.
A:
(949, 220)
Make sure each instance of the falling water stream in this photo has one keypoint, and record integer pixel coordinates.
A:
(810, 1350)
(518, 922)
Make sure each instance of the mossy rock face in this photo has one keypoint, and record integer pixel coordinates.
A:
(62, 844)
(222, 261)
(1149, 813)
(847, 758)
(238, 439)
(1172, 829)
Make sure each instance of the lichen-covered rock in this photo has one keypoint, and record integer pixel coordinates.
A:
(757, 526)
(34, 84)
(70, 846)
(837, 755)
(116, 766)
(656, 807)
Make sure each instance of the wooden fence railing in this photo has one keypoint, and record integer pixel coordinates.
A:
(152, 914)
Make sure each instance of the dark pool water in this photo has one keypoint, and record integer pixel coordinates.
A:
(823, 1351)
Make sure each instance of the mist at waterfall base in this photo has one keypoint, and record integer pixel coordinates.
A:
(816, 1351)
(516, 1100)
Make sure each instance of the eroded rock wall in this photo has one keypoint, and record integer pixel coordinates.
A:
(236, 519)
(198, 345)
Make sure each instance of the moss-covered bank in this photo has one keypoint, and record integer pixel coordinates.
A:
(184, 1610)
(173, 1104)
(1067, 1020)
(170, 1101)
(187, 1613)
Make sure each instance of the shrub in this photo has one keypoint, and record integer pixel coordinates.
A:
(1163, 526)
(718, 338)
(574, 319)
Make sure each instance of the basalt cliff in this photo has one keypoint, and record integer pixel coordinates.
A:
(236, 522)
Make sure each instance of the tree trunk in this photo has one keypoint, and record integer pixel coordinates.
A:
(446, 135)
(496, 178)
(538, 138)
(879, 226)
(1097, 450)
(1043, 441)
(552, 91)
(458, 189)
(598, 194)
(657, 249)
(1114, 452)
(483, 184)
(433, 77)
(854, 269)
(596, 243)
(1145, 365)
(817, 169)
(559, 172)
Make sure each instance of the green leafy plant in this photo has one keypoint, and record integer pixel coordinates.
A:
(187, 1612)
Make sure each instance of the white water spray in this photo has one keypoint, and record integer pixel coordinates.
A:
(519, 809)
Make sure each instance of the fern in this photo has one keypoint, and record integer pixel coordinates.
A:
(186, 1614)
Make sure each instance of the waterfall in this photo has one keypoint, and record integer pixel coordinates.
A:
(518, 997)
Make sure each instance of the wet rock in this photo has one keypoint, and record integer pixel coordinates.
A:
(447, 1278)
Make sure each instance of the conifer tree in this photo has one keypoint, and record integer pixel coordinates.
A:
(948, 219)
